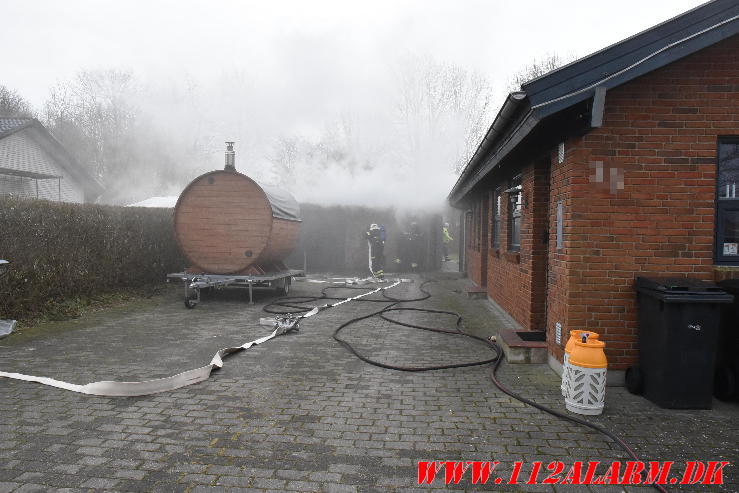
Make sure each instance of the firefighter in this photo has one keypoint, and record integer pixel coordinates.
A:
(376, 241)
(446, 238)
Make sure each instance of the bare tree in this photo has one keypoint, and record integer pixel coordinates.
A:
(295, 158)
(434, 121)
(471, 105)
(13, 104)
(94, 116)
(285, 157)
(536, 68)
(443, 111)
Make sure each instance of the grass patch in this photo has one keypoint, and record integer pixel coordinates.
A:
(77, 306)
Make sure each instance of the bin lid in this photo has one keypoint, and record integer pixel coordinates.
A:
(682, 289)
(677, 285)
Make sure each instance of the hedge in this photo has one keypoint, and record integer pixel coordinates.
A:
(59, 251)
(62, 251)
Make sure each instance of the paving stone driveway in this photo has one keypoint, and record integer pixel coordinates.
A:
(300, 413)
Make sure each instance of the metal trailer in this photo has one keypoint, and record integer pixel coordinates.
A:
(280, 281)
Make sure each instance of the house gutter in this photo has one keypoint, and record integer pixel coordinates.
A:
(502, 121)
(480, 164)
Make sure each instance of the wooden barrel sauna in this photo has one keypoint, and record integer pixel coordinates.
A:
(226, 223)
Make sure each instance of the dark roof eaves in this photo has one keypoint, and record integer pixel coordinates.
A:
(564, 68)
(667, 54)
(624, 53)
(529, 121)
(659, 60)
(509, 112)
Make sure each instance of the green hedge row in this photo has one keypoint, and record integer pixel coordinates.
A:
(59, 251)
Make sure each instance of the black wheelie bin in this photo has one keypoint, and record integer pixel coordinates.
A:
(726, 382)
(678, 334)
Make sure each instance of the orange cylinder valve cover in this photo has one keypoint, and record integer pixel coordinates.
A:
(589, 354)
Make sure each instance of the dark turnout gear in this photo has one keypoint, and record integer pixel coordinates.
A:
(376, 240)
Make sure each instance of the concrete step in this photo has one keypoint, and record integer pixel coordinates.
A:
(476, 293)
(523, 346)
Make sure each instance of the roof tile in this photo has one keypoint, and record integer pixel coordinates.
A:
(10, 123)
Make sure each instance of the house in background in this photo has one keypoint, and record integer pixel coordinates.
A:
(33, 164)
(624, 163)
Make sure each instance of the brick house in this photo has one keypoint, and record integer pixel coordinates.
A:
(33, 164)
(623, 163)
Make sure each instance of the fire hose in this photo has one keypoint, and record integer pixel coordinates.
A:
(286, 323)
(290, 311)
(295, 305)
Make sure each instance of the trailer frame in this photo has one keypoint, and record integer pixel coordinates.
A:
(280, 280)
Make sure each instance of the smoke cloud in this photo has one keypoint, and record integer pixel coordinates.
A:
(340, 102)
(400, 151)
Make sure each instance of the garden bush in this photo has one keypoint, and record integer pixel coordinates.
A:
(61, 251)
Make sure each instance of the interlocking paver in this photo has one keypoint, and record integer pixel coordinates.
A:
(302, 414)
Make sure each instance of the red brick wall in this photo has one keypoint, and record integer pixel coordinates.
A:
(661, 130)
(472, 253)
(515, 280)
(537, 243)
(474, 269)
(560, 300)
(474, 242)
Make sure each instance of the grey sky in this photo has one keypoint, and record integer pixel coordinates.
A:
(302, 61)
(351, 41)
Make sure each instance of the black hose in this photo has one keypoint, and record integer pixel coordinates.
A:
(391, 308)
(295, 305)
(574, 419)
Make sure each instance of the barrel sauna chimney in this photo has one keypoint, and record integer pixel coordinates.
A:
(226, 223)
(230, 157)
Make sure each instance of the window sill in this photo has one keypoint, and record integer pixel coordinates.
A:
(724, 272)
(513, 257)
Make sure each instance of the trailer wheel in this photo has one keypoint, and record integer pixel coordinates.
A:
(190, 303)
(283, 287)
